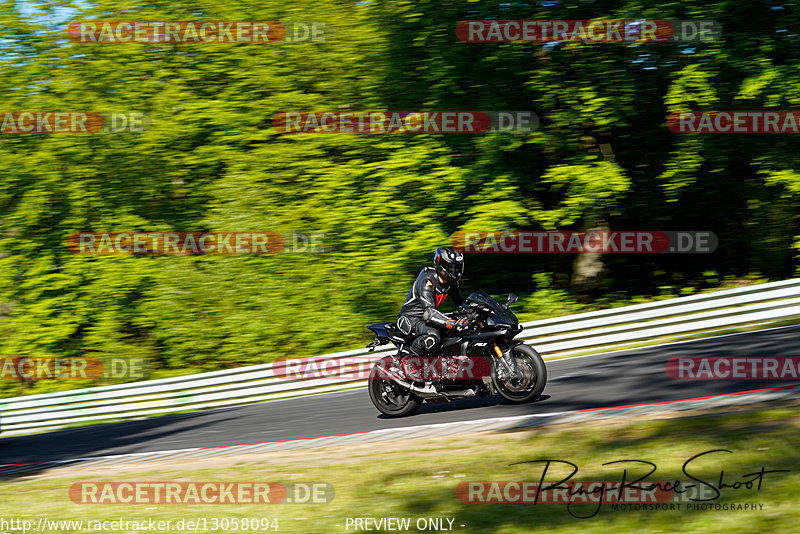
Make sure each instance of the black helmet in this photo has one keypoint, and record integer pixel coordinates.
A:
(449, 263)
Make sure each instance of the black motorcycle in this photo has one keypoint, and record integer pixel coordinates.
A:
(482, 360)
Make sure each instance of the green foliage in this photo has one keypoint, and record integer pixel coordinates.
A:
(546, 301)
(211, 160)
(585, 190)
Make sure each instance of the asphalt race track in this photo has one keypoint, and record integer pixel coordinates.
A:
(630, 377)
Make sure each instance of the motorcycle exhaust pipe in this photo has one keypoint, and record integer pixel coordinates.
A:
(426, 393)
(450, 396)
(460, 393)
(422, 392)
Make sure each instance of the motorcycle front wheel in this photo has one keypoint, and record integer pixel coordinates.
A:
(530, 380)
(392, 399)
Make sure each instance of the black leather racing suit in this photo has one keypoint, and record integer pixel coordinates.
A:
(420, 315)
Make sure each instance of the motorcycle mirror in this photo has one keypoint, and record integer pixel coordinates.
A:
(512, 298)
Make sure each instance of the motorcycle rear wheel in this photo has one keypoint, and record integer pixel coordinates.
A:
(389, 397)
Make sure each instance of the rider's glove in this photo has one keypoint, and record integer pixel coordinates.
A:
(458, 326)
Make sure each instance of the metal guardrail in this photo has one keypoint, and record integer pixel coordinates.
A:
(570, 335)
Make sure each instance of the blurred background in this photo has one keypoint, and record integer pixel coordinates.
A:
(211, 160)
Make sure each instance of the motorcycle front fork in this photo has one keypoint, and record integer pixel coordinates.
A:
(506, 360)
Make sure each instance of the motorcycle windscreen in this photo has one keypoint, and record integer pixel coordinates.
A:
(480, 297)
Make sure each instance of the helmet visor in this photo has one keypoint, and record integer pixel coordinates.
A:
(454, 269)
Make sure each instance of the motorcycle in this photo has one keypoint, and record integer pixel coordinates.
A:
(482, 360)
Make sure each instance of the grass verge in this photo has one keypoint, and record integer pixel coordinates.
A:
(417, 479)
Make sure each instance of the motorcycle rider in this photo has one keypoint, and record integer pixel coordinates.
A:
(420, 313)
